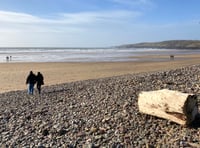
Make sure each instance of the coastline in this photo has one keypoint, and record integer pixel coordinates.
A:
(13, 75)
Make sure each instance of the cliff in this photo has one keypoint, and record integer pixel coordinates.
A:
(171, 44)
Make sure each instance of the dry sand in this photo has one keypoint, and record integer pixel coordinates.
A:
(13, 75)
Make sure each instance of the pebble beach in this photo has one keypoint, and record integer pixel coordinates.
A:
(99, 112)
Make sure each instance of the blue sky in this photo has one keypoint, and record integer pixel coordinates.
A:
(96, 23)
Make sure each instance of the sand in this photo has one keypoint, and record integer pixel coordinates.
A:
(13, 75)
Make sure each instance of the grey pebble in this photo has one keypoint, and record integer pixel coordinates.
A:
(96, 113)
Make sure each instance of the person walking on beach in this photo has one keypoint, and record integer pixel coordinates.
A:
(40, 81)
(31, 79)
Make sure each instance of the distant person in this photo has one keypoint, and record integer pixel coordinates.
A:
(7, 58)
(31, 80)
(40, 81)
(171, 57)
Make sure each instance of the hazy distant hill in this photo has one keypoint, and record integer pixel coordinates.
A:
(172, 44)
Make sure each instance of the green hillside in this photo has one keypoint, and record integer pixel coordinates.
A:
(172, 44)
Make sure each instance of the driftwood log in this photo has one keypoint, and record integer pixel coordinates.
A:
(175, 106)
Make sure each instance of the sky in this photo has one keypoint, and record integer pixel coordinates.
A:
(96, 23)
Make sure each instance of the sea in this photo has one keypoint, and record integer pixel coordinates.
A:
(83, 54)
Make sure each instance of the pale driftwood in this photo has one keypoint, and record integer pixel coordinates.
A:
(176, 106)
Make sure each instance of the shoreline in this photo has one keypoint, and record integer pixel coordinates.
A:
(13, 75)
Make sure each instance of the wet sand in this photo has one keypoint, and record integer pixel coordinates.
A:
(13, 75)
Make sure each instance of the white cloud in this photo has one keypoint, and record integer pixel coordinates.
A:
(13, 17)
(133, 2)
(24, 29)
(89, 17)
(98, 28)
(65, 22)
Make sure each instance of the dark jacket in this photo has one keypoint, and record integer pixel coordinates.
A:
(31, 79)
(40, 79)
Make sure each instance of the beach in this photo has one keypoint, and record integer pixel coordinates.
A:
(13, 75)
(95, 104)
(99, 112)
